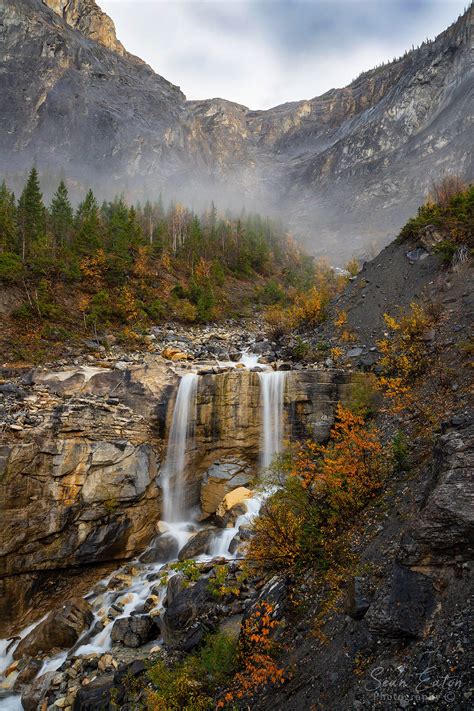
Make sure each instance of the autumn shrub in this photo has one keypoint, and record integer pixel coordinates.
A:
(309, 308)
(328, 484)
(257, 667)
(353, 267)
(404, 349)
(278, 321)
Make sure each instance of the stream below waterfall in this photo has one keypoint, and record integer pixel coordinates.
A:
(128, 589)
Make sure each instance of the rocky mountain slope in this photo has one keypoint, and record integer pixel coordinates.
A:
(345, 168)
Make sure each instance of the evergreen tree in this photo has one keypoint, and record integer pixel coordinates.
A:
(8, 224)
(87, 226)
(31, 213)
(61, 216)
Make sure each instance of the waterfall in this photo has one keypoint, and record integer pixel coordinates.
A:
(179, 441)
(272, 386)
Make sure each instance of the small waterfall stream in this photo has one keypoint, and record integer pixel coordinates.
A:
(175, 514)
(272, 384)
(179, 442)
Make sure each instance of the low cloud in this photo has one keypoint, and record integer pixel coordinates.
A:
(261, 53)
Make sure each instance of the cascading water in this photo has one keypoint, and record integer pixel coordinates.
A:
(180, 437)
(272, 385)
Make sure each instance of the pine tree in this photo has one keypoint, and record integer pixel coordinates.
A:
(31, 213)
(87, 225)
(61, 216)
(8, 226)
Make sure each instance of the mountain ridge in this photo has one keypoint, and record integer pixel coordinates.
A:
(344, 168)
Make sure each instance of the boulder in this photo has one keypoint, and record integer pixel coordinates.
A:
(220, 478)
(60, 630)
(445, 528)
(28, 673)
(199, 544)
(403, 607)
(98, 694)
(162, 549)
(232, 499)
(176, 584)
(182, 619)
(174, 354)
(35, 694)
(230, 517)
(134, 631)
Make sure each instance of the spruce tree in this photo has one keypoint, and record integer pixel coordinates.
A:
(61, 216)
(87, 225)
(8, 224)
(31, 213)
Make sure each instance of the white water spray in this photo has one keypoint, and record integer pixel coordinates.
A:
(179, 441)
(272, 386)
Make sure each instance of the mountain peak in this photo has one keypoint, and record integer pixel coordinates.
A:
(86, 17)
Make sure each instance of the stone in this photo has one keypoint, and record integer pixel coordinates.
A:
(162, 549)
(234, 498)
(403, 607)
(228, 519)
(181, 618)
(134, 631)
(60, 629)
(356, 604)
(199, 544)
(34, 695)
(354, 352)
(28, 673)
(162, 527)
(98, 694)
(176, 584)
(220, 478)
(445, 527)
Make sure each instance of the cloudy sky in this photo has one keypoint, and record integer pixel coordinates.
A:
(261, 53)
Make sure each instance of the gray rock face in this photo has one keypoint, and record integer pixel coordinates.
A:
(358, 160)
(403, 607)
(445, 529)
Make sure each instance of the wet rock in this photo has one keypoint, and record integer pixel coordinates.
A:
(134, 631)
(28, 673)
(182, 618)
(220, 478)
(59, 630)
(161, 549)
(403, 607)
(32, 697)
(229, 517)
(98, 694)
(199, 544)
(177, 583)
(233, 499)
(356, 604)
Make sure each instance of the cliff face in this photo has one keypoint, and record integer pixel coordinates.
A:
(345, 168)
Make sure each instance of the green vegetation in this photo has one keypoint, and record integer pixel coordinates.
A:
(191, 684)
(450, 210)
(118, 266)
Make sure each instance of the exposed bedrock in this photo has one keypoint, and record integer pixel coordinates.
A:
(80, 487)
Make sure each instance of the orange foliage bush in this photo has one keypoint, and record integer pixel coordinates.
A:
(256, 657)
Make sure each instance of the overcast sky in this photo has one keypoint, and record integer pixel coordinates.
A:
(261, 53)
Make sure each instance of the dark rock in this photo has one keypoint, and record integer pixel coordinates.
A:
(187, 606)
(99, 694)
(36, 693)
(60, 629)
(28, 673)
(275, 593)
(162, 549)
(176, 584)
(199, 544)
(403, 607)
(356, 603)
(134, 631)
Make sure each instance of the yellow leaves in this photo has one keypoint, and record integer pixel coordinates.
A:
(309, 308)
(336, 354)
(341, 319)
(93, 269)
(202, 269)
(391, 323)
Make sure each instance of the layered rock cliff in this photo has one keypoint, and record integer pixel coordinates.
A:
(345, 168)
(79, 470)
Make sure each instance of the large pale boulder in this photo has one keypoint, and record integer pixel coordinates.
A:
(233, 498)
(60, 630)
(220, 478)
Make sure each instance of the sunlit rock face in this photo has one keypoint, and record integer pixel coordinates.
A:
(344, 169)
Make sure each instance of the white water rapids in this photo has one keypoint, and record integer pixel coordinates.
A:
(173, 482)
